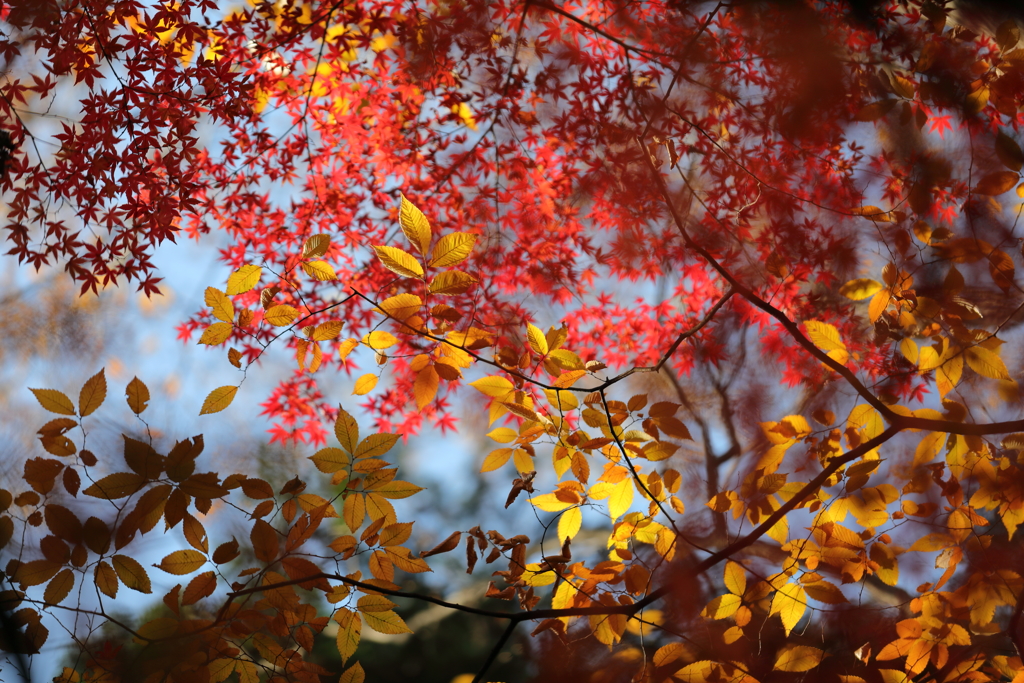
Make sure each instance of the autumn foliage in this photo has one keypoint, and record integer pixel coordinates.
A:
(733, 286)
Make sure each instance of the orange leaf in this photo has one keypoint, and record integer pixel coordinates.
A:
(183, 561)
(265, 541)
(54, 401)
(92, 394)
(131, 573)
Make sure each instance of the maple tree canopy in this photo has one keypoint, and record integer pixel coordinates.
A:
(733, 284)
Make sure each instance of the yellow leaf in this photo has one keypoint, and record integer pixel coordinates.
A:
(503, 435)
(451, 282)
(350, 626)
(722, 607)
(798, 658)
(859, 289)
(93, 392)
(399, 262)
(523, 461)
(494, 386)
(548, 502)
(244, 279)
(536, 577)
(346, 347)
(824, 591)
(375, 445)
(54, 401)
(452, 249)
(789, 603)
(569, 524)
(388, 622)
(220, 305)
(620, 499)
(397, 489)
(379, 340)
(932, 542)
(327, 331)
(401, 306)
(353, 674)
(319, 270)
(879, 302)
(316, 245)
(424, 389)
(216, 334)
(823, 335)
(909, 350)
(280, 315)
(735, 578)
(986, 363)
(415, 226)
(346, 429)
(182, 561)
(218, 400)
(137, 395)
(496, 459)
(131, 573)
(365, 384)
(331, 460)
(538, 342)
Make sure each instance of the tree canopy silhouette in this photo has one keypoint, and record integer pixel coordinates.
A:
(731, 287)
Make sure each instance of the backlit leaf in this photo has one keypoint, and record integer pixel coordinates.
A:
(106, 579)
(860, 289)
(620, 499)
(537, 341)
(265, 541)
(986, 363)
(182, 561)
(387, 622)
(353, 674)
(316, 246)
(280, 315)
(798, 658)
(319, 270)
(220, 305)
(495, 387)
(117, 485)
(451, 282)
(350, 626)
(59, 587)
(244, 279)
(54, 401)
(93, 392)
(137, 395)
(790, 603)
(997, 183)
(379, 339)
(824, 336)
(365, 384)
(216, 334)
(218, 399)
(131, 573)
(735, 578)
(376, 445)
(415, 226)
(346, 429)
(201, 586)
(399, 262)
(452, 249)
